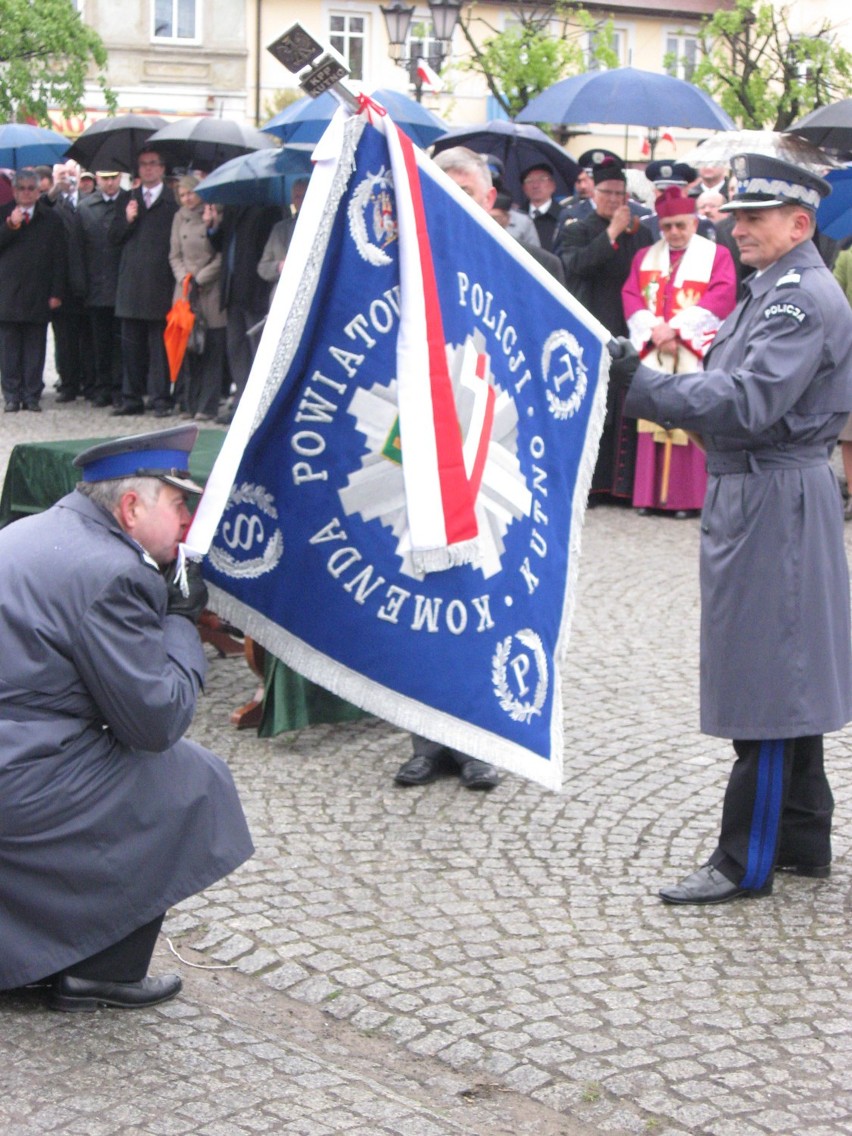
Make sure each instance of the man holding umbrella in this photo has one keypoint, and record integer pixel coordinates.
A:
(776, 663)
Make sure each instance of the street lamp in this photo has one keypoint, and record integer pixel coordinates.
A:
(398, 17)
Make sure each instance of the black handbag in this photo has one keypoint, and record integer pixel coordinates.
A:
(198, 335)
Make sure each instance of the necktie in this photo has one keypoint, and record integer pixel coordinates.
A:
(533, 213)
(26, 218)
(147, 195)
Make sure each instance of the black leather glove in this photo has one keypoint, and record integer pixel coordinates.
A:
(625, 360)
(194, 603)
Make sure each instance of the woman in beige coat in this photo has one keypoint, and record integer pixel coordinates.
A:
(192, 254)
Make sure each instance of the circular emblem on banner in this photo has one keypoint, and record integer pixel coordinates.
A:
(519, 675)
(253, 543)
(372, 217)
(565, 374)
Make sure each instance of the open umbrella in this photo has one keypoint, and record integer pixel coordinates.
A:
(259, 178)
(306, 119)
(834, 216)
(776, 144)
(206, 141)
(627, 96)
(828, 126)
(518, 146)
(113, 143)
(23, 145)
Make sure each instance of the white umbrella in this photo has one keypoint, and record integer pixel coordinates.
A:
(723, 146)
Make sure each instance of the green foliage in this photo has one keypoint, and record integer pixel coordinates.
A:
(542, 46)
(279, 100)
(762, 74)
(46, 52)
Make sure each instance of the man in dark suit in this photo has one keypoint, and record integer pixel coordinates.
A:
(143, 230)
(32, 270)
(241, 235)
(539, 186)
(101, 260)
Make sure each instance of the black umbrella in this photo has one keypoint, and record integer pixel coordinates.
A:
(113, 143)
(518, 146)
(828, 126)
(208, 142)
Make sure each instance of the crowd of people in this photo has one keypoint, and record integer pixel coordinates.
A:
(103, 262)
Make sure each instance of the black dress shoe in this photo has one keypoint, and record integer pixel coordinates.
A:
(163, 412)
(12, 407)
(125, 411)
(708, 885)
(421, 769)
(76, 995)
(812, 871)
(101, 400)
(66, 396)
(33, 407)
(476, 774)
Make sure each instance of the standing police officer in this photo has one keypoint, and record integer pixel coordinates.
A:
(776, 664)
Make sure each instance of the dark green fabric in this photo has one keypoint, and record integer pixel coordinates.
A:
(39, 473)
(291, 701)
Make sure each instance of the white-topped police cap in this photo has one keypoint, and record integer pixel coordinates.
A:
(163, 454)
(764, 182)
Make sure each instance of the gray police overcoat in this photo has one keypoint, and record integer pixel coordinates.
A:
(775, 625)
(107, 818)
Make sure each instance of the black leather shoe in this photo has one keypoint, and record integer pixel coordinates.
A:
(76, 995)
(476, 774)
(421, 769)
(125, 411)
(708, 885)
(66, 396)
(101, 401)
(812, 871)
(12, 407)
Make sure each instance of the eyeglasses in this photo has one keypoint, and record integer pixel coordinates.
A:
(611, 192)
(536, 180)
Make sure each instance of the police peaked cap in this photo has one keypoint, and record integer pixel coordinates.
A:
(663, 173)
(764, 182)
(163, 454)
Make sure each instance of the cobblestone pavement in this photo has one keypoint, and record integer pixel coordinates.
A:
(434, 962)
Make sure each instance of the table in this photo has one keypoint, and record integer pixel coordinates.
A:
(39, 473)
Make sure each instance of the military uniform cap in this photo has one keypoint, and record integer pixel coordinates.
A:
(610, 169)
(163, 454)
(596, 157)
(663, 173)
(764, 182)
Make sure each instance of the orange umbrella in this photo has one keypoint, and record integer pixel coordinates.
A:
(179, 324)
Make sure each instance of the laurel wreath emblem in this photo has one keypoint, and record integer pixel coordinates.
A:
(517, 710)
(223, 561)
(560, 408)
(359, 202)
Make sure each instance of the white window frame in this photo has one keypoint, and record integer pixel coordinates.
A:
(364, 36)
(680, 36)
(621, 35)
(196, 38)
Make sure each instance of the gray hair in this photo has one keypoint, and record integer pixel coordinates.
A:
(465, 161)
(107, 494)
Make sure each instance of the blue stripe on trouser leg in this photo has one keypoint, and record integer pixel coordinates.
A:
(763, 834)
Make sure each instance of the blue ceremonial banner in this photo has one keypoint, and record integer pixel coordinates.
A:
(419, 374)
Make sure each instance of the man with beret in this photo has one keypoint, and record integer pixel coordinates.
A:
(677, 294)
(665, 175)
(539, 186)
(776, 664)
(108, 816)
(596, 254)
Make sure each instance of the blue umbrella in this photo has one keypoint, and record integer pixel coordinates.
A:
(306, 119)
(22, 145)
(259, 178)
(629, 97)
(834, 216)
